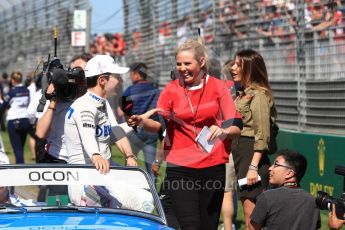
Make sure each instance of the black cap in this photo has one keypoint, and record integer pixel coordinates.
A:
(139, 67)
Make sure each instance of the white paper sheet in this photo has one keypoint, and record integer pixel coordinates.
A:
(202, 139)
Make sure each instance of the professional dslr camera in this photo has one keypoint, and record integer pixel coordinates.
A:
(324, 200)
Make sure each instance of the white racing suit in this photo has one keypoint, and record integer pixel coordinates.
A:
(88, 131)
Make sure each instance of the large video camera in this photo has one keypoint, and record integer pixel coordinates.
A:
(324, 201)
(65, 81)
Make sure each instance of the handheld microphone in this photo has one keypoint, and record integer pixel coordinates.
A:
(127, 106)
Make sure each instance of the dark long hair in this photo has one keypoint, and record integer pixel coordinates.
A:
(254, 72)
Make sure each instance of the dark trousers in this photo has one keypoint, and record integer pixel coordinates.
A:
(18, 130)
(2, 121)
(166, 201)
(197, 195)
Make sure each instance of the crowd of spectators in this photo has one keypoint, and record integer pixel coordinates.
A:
(274, 21)
(110, 44)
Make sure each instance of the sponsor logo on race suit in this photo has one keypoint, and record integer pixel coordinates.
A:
(103, 130)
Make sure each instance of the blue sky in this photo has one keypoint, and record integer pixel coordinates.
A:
(107, 16)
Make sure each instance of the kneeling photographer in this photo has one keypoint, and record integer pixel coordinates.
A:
(286, 205)
(64, 87)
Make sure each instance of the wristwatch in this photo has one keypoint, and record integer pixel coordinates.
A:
(157, 162)
(131, 156)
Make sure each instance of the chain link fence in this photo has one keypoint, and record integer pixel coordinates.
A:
(304, 55)
(302, 42)
(26, 32)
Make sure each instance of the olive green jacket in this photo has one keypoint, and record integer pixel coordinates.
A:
(258, 111)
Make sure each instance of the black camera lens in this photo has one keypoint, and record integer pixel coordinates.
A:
(77, 73)
(324, 200)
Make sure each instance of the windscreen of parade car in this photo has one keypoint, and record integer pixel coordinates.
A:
(123, 188)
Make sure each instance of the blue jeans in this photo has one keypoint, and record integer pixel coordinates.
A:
(147, 142)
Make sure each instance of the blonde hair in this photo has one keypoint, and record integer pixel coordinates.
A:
(17, 76)
(198, 49)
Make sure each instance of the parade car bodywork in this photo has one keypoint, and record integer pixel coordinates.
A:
(78, 197)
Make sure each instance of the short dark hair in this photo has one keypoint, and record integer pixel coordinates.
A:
(295, 160)
(4, 75)
(84, 56)
(92, 81)
(140, 68)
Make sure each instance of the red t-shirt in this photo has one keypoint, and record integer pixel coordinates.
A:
(338, 21)
(212, 104)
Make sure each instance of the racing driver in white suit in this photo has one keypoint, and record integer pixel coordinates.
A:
(87, 124)
(88, 133)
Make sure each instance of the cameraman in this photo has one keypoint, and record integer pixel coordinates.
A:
(333, 222)
(286, 206)
(50, 125)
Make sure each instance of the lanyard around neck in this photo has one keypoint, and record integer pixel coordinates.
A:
(197, 107)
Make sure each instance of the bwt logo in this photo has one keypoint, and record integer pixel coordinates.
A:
(104, 130)
(53, 176)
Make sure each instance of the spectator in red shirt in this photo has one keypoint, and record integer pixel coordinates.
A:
(333, 18)
(195, 178)
(119, 44)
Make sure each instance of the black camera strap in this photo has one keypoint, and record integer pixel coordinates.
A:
(42, 103)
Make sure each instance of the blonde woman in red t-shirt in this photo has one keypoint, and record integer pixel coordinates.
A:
(195, 177)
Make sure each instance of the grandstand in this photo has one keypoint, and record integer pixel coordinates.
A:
(301, 41)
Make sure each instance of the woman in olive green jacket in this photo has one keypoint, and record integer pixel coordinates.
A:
(256, 105)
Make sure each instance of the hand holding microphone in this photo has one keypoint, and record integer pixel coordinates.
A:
(134, 120)
(126, 105)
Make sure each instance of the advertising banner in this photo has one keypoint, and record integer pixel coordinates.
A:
(323, 153)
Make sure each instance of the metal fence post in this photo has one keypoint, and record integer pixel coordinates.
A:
(301, 68)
